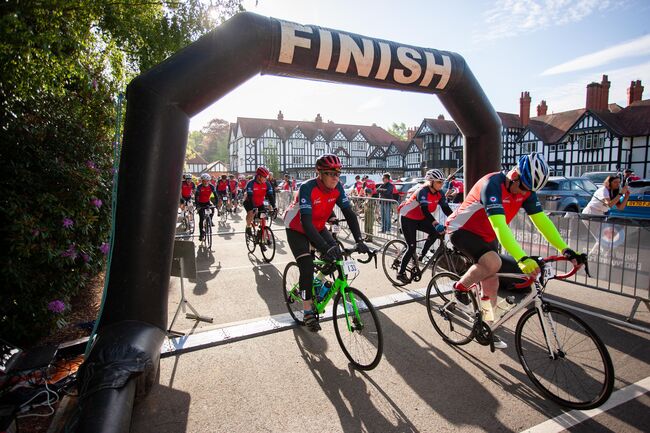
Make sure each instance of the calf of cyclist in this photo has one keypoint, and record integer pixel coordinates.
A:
(481, 223)
(202, 199)
(416, 213)
(257, 190)
(187, 189)
(305, 221)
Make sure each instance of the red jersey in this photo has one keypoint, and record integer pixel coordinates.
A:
(222, 185)
(232, 185)
(313, 199)
(422, 197)
(256, 193)
(203, 193)
(489, 196)
(242, 184)
(187, 189)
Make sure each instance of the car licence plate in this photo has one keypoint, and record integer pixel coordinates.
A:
(639, 203)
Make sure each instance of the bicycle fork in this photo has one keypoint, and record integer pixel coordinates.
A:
(357, 324)
(549, 329)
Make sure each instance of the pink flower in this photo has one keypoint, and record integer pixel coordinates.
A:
(85, 257)
(70, 252)
(105, 248)
(96, 202)
(36, 232)
(67, 223)
(90, 164)
(56, 306)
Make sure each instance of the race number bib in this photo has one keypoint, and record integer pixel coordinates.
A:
(335, 228)
(350, 267)
(549, 271)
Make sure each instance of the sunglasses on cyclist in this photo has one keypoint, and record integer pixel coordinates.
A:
(522, 186)
(332, 173)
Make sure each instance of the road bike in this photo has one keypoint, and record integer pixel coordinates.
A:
(563, 357)
(443, 258)
(356, 323)
(187, 218)
(207, 225)
(262, 235)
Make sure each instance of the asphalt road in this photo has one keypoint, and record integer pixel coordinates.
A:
(293, 380)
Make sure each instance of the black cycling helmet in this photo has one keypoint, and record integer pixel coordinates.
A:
(329, 161)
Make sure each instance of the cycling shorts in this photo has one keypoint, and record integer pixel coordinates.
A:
(472, 245)
(185, 199)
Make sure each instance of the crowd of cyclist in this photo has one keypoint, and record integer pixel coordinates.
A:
(476, 227)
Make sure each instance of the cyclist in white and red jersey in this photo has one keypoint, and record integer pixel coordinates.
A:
(416, 214)
(482, 220)
(305, 222)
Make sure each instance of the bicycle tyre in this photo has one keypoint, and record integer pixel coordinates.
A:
(370, 329)
(291, 292)
(532, 351)
(455, 326)
(190, 222)
(208, 230)
(448, 260)
(268, 241)
(251, 240)
(391, 259)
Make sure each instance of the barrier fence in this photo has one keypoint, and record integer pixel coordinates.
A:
(618, 249)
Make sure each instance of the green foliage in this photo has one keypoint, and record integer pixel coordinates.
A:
(272, 160)
(211, 142)
(62, 62)
(398, 130)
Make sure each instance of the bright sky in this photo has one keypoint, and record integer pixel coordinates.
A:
(551, 48)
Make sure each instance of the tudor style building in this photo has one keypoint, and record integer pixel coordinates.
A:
(291, 146)
(599, 137)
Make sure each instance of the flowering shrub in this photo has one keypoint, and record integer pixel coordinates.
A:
(58, 183)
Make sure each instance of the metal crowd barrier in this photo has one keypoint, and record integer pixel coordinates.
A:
(618, 251)
(283, 199)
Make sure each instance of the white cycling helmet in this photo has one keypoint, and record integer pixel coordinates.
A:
(434, 174)
(206, 176)
(533, 171)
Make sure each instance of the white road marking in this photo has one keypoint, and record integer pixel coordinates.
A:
(574, 417)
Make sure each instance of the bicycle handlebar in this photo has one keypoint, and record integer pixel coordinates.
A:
(543, 261)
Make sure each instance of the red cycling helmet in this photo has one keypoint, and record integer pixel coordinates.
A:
(262, 171)
(328, 161)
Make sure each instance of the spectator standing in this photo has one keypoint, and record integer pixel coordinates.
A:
(386, 191)
(629, 176)
(369, 220)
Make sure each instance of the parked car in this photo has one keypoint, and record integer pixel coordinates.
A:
(598, 177)
(566, 194)
(638, 205)
(403, 188)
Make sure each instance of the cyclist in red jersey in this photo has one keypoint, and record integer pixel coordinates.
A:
(482, 220)
(202, 199)
(305, 224)
(222, 191)
(187, 189)
(416, 213)
(257, 190)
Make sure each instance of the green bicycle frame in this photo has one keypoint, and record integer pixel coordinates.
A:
(340, 285)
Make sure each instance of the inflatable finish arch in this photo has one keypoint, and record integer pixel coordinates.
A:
(124, 360)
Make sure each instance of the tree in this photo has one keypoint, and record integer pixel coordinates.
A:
(63, 63)
(215, 140)
(398, 130)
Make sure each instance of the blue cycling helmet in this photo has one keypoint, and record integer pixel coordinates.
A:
(533, 171)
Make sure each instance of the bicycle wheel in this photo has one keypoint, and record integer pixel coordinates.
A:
(448, 260)
(224, 213)
(208, 231)
(363, 343)
(391, 259)
(454, 325)
(251, 240)
(190, 222)
(291, 292)
(267, 244)
(579, 374)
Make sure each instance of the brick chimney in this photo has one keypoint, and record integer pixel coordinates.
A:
(634, 92)
(524, 108)
(280, 115)
(593, 93)
(441, 117)
(410, 133)
(604, 94)
(318, 118)
(542, 108)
